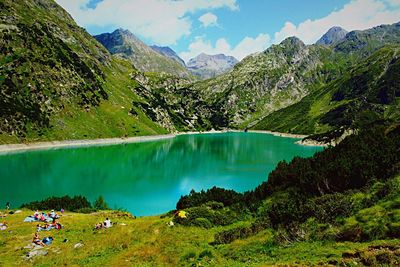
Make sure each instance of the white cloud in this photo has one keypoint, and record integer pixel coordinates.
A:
(209, 19)
(247, 46)
(162, 21)
(356, 15)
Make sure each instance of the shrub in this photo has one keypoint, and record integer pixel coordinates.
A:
(86, 210)
(206, 254)
(240, 232)
(194, 199)
(228, 236)
(202, 222)
(58, 203)
(360, 201)
(328, 208)
(100, 204)
(285, 208)
(223, 216)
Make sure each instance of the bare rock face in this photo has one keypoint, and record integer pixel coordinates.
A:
(209, 66)
(332, 36)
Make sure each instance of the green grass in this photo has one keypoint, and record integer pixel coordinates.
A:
(148, 241)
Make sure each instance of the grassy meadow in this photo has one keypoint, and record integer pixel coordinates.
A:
(149, 241)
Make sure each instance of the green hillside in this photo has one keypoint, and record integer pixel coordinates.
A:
(58, 82)
(364, 95)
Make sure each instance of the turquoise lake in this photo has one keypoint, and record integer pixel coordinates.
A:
(146, 178)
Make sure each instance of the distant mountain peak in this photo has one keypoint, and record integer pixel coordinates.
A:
(168, 52)
(208, 66)
(333, 35)
(125, 44)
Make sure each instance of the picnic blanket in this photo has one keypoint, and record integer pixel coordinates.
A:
(33, 219)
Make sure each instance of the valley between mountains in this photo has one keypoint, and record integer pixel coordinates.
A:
(59, 83)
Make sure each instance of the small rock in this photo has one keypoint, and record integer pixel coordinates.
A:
(37, 252)
(78, 245)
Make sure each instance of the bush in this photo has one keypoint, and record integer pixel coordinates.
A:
(228, 236)
(328, 208)
(202, 222)
(223, 216)
(215, 194)
(240, 232)
(100, 204)
(76, 204)
(206, 254)
(360, 201)
(285, 208)
(58, 203)
(86, 210)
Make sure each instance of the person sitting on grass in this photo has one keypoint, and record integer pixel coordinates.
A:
(36, 240)
(98, 226)
(53, 215)
(107, 223)
(56, 225)
(41, 217)
(46, 227)
(36, 215)
(3, 226)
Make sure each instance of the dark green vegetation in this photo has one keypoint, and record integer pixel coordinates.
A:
(350, 192)
(76, 204)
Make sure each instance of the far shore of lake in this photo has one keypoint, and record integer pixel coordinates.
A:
(9, 148)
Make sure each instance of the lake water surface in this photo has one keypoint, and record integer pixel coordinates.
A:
(146, 178)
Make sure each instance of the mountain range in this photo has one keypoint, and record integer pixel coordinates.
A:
(209, 66)
(126, 45)
(58, 82)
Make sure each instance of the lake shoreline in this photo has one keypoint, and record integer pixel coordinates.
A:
(12, 148)
(288, 135)
(4, 149)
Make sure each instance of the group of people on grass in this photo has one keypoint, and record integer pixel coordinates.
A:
(50, 223)
(41, 216)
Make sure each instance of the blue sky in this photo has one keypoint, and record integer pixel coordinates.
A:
(234, 27)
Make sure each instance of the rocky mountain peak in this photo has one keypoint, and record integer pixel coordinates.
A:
(208, 66)
(125, 44)
(333, 35)
(168, 52)
(292, 41)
